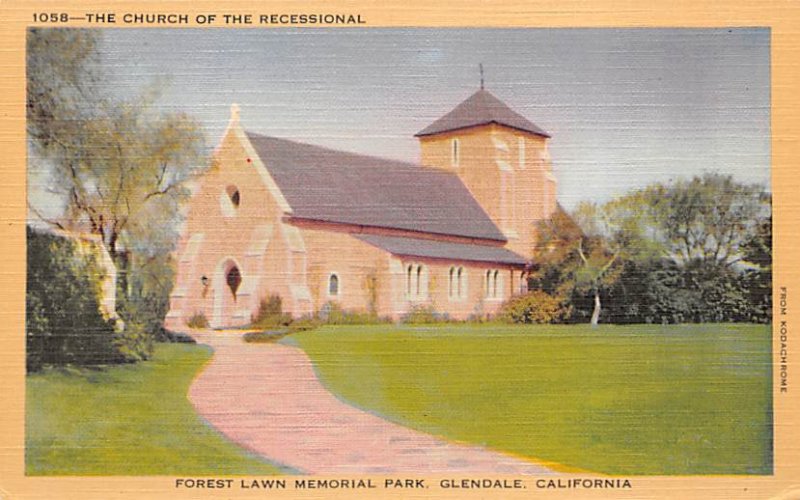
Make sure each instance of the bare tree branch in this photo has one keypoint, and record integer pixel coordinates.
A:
(44, 219)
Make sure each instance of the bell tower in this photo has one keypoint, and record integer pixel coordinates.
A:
(501, 157)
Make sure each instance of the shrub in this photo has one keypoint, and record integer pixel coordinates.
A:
(177, 337)
(265, 337)
(332, 313)
(270, 314)
(478, 318)
(64, 324)
(665, 293)
(143, 292)
(424, 314)
(533, 307)
(198, 320)
(147, 313)
(279, 331)
(269, 307)
(135, 343)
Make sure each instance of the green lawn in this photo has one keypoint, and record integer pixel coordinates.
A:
(692, 399)
(128, 420)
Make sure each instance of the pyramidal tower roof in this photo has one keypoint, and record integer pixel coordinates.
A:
(481, 108)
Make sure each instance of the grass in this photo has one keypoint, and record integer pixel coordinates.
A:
(128, 420)
(689, 399)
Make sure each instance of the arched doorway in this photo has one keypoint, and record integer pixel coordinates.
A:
(227, 286)
(233, 278)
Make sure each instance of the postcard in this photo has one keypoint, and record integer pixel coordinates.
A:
(344, 250)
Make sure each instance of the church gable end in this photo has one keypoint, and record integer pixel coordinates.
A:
(231, 232)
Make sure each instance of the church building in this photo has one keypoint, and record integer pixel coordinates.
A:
(315, 226)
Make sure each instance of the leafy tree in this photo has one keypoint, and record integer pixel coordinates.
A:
(690, 251)
(586, 252)
(758, 280)
(117, 166)
(114, 168)
(718, 232)
(706, 219)
(557, 240)
(62, 85)
(615, 235)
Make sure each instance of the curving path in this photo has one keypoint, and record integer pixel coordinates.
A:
(267, 398)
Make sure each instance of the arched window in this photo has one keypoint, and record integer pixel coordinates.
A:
(493, 284)
(233, 278)
(450, 283)
(234, 195)
(455, 154)
(458, 285)
(333, 285)
(229, 201)
(416, 281)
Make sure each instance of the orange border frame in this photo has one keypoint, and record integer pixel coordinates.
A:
(781, 16)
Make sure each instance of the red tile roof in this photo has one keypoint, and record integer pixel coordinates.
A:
(481, 108)
(414, 247)
(334, 186)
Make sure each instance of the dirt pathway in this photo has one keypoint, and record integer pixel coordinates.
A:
(267, 398)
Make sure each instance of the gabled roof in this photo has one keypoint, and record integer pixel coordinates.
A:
(415, 247)
(334, 186)
(481, 108)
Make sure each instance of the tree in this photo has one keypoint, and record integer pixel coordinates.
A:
(62, 85)
(116, 169)
(757, 251)
(555, 256)
(718, 232)
(613, 236)
(706, 219)
(586, 252)
(693, 250)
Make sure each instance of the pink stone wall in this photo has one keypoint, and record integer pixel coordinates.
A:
(444, 295)
(372, 278)
(362, 271)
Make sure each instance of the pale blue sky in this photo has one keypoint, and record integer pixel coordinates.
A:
(625, 107)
